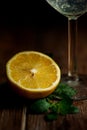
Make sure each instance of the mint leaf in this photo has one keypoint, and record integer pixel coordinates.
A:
(60, 102)
(51, 116)
(64, 89)
(54, 107)
(64, 106)
(73, 109)
(40, 106)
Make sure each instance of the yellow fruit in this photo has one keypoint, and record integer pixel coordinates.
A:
(33, 74)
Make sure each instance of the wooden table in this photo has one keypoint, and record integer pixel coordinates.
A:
(14, 110)
(15, 115)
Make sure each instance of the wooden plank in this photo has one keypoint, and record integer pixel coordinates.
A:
(12, 109)
(78, 121)
(10, 119)
(23, 119)
(69, 122)
(37, 122)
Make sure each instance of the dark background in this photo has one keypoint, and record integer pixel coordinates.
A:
(33, 13)
(35, 25)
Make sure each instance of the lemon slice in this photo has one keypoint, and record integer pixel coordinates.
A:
(33, 74)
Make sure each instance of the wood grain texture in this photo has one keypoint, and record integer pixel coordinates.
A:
(15, 114)
(69, 122)
(10, 119)
(14, 110)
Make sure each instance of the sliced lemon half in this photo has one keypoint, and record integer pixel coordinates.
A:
(33, 74)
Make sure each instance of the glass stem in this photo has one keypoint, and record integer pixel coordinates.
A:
(72, 49)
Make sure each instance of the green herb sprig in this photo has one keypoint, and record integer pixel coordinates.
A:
(60, 102)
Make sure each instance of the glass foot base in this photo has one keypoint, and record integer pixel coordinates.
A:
(79, 83)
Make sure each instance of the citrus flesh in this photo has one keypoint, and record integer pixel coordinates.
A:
(33, 74)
